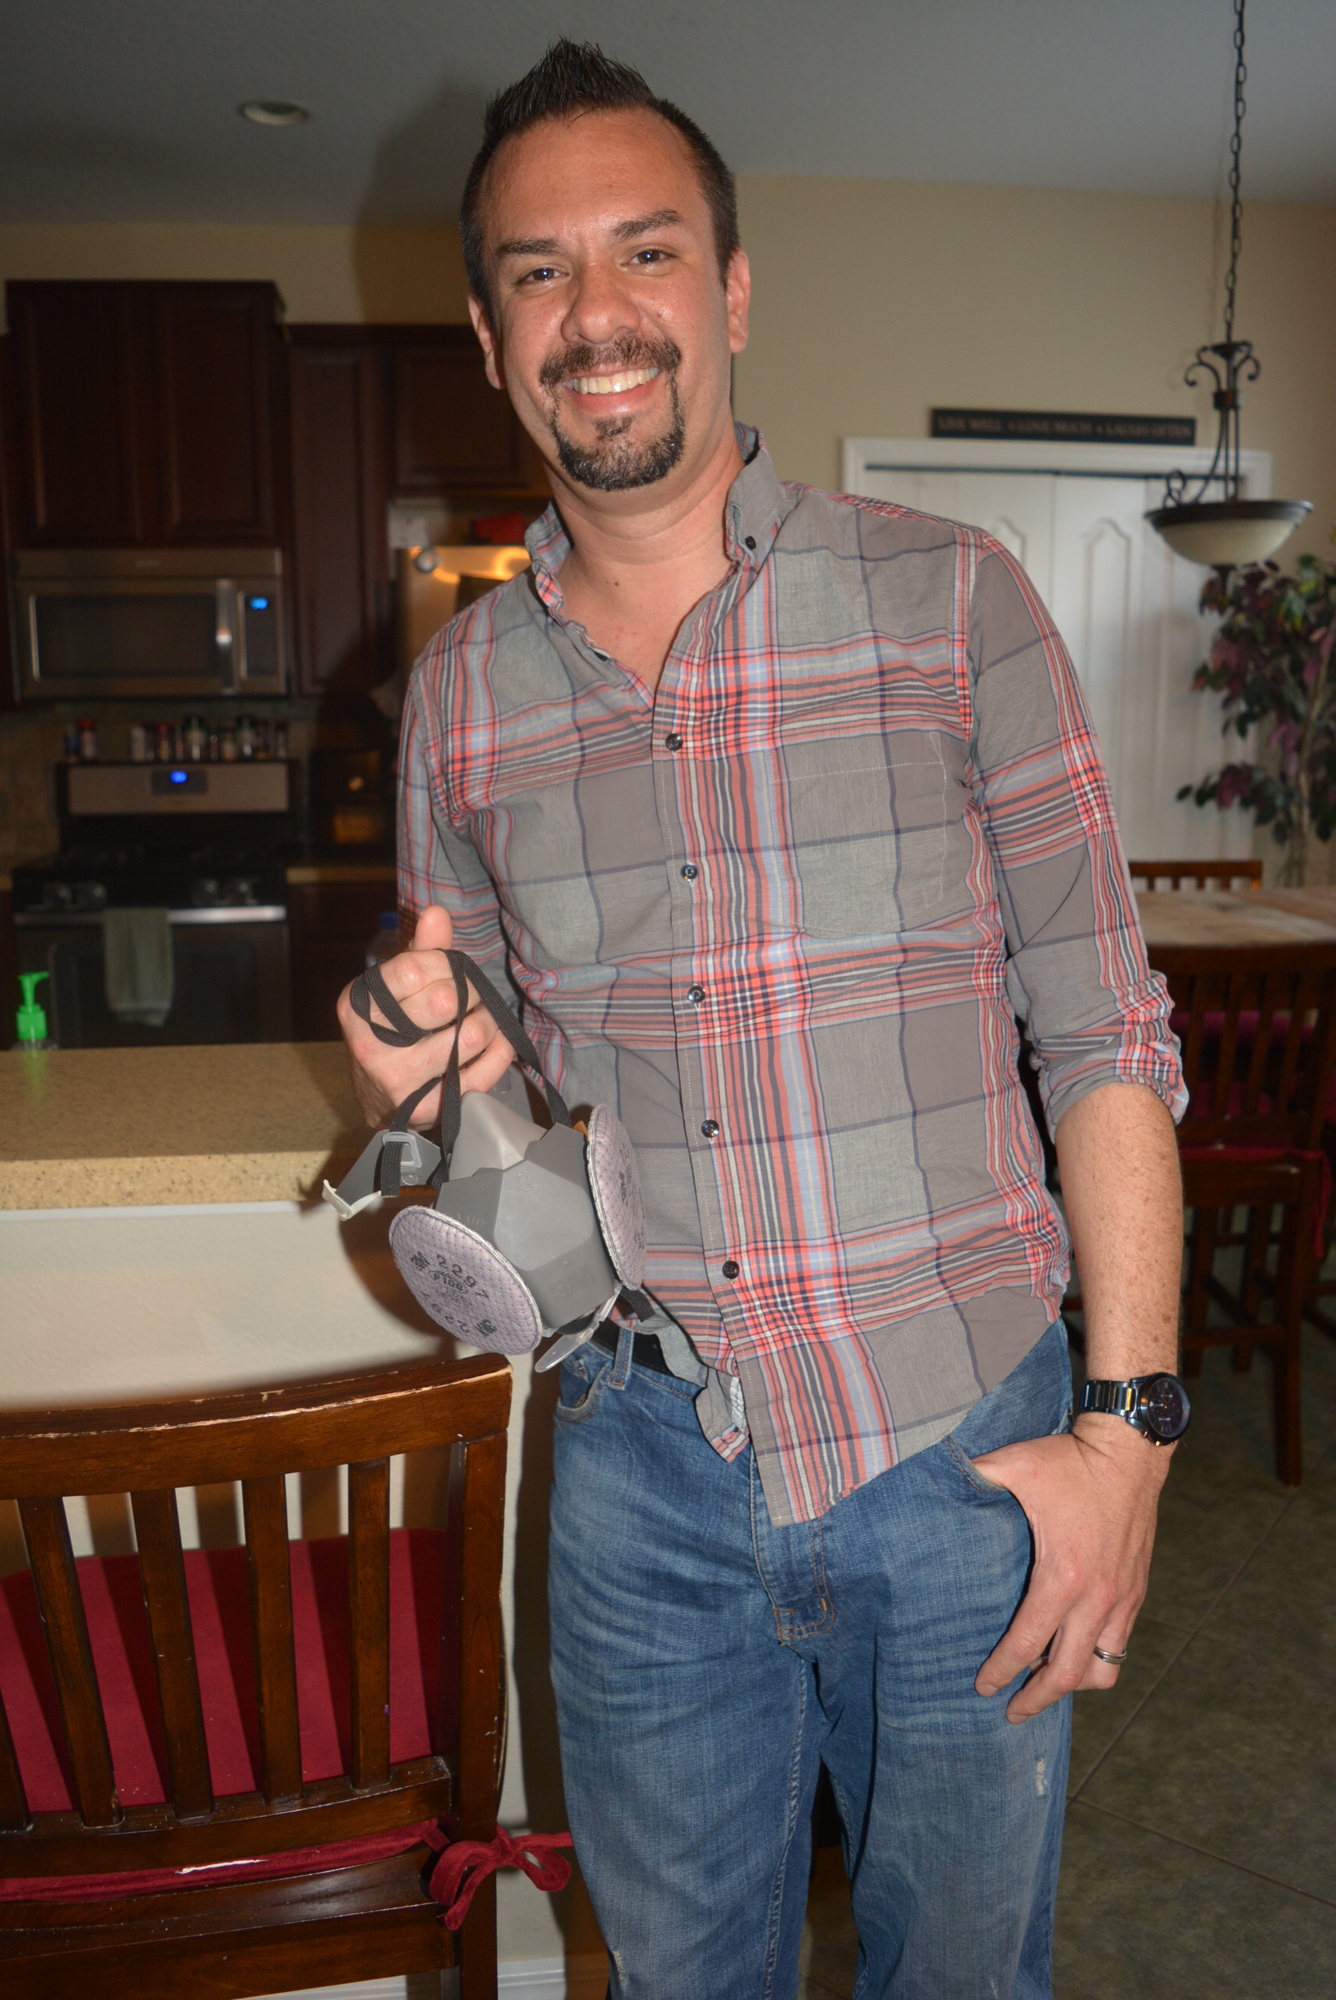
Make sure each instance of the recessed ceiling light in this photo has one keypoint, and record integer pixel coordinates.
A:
(274, 111)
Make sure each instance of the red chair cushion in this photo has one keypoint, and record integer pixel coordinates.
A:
(220, 1615)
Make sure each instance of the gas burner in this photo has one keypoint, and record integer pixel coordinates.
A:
(206, 892)
(241, 889)
(93, 863)
(90, 895)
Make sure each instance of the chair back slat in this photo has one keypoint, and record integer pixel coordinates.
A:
(265, 1514)
(477, 1677)
(46, 1531)
(14, 1816)
(1226, 1083)
(369, 1619)
(1258, 1034)
(1202, 874)
(1258, 1060)
(162, 1570)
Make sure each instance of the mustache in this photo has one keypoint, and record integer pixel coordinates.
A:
(615, 356)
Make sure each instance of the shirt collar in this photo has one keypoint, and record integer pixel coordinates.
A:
(753, 511)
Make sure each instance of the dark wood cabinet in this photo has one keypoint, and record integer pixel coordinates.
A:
(78, 363)
(332, 925)
(341, 569)
(9, 486)
(9, 969)
(145, 413)
(452, 431)
(214, 361)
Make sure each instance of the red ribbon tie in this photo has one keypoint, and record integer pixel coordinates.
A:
(466, 1863)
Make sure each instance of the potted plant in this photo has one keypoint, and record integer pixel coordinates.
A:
(1271, 659)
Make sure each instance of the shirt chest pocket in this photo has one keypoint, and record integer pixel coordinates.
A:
(880, 848)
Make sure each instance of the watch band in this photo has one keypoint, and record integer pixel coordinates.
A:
(1113, 1399)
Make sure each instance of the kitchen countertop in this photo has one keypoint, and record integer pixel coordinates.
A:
(301, 874)
(100, 1128)
(298, 874)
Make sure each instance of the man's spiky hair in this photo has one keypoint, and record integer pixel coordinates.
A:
(573, 78)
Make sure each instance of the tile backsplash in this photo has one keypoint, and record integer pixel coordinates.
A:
(29, 748)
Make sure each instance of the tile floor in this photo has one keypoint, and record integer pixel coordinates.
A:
(1200, 1855)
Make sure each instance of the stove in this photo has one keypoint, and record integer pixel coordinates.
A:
(219, 875)
(203, 849)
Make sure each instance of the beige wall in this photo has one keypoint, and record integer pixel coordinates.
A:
(323, 273)
(876, 300)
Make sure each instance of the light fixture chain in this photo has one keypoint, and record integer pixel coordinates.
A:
(1235, 169)
(1231, 531)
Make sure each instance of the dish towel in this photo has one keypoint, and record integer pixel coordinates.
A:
(137, 967)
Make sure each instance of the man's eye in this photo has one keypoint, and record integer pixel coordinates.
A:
(538, 276)
(650, 257)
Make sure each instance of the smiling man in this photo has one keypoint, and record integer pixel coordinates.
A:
(775, 809)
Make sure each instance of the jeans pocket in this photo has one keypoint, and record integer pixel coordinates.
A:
(582, 1380)
(964, 1464)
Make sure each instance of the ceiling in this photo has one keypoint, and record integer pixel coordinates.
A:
(127, 112)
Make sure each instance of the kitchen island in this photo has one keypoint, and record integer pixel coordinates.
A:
(161, 1231)
(83, 1128)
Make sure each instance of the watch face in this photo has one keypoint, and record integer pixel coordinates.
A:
(1164, 1408)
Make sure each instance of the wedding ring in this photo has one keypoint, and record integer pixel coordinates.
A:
(1110, 1659)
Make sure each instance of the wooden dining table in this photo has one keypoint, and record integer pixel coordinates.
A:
(1221, 918)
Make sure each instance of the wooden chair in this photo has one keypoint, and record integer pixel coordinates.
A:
(1258, 1028)
(191, 1640)
(1201, 874)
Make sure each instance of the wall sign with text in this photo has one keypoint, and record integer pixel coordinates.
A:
(1063, 427)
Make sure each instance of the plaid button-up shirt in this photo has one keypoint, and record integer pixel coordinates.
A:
(782, 912)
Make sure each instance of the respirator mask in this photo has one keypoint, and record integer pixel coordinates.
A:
(533, 1232)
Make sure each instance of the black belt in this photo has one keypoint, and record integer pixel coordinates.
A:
(646, 1351)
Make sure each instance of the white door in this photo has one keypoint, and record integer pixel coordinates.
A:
(1127, 608)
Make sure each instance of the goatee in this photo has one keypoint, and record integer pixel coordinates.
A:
(614, 464)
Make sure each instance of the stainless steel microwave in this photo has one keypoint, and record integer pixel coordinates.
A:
(104, 622)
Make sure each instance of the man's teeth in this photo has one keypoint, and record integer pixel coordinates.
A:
(611, 385)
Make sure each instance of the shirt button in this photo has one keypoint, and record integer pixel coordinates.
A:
(731, 1269)
(695, 994)
(673, 740)
(690, 872)
(751, 541)
(710, 1129)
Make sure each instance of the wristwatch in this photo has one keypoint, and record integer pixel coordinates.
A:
(1155, 1405)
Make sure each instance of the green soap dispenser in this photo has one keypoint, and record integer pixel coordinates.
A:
(30, 1021)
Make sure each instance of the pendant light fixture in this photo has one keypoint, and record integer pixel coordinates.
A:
(1232, 531)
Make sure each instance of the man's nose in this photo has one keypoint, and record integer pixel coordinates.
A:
(600, 307)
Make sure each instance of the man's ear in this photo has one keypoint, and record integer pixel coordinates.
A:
(737, 291)
(482, 326)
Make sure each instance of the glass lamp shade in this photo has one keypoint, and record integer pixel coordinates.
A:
(1228, 534)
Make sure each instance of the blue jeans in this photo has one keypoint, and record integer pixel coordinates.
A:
(706, 1663)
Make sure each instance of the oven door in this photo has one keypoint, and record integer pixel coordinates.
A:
(231, 978)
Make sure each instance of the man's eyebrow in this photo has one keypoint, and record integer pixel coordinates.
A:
(641, 225)
(528, 246)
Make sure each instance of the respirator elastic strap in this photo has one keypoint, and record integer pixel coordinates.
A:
(461, 963)
(399, 1031)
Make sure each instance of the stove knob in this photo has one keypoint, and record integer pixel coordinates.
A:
(90, 895)
(57, 896)
(241, 889)
(206, 892)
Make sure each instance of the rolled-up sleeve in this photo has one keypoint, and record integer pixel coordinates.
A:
(1077, 974)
